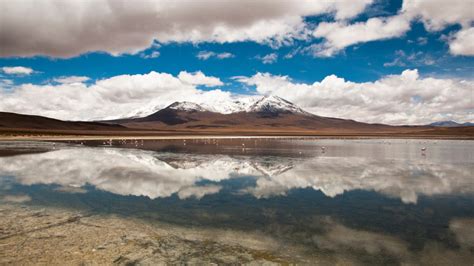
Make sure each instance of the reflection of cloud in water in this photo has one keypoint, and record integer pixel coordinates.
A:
(137, 172)
(340, 238)
(16, 198)
(198, 192)
(396, 178)
(348, 243)
(464, 231)
(124, 172)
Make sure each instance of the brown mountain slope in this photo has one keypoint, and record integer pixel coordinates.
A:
(208, 123)
(269, 120)
(194, 120)
(19, 121)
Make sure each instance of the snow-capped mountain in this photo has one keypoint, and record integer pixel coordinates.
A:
(234, 106)
(179, 106)
(274, 104)
(265, 104)
(187, 106)
(267, 167)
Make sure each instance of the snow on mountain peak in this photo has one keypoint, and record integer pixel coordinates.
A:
(274, 104)
(266, 104)
(231, 106)
(187, 106)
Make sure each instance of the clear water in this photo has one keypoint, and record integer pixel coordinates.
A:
(373, 201)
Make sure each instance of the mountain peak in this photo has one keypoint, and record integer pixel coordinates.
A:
(187, 106)
(273, 105)
(268, 105)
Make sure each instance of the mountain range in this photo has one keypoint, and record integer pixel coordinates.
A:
(268, 115)
(451, 123)
(265, 113)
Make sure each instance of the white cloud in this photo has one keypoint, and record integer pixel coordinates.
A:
(198, 78)
(438, 14)
(339, 35)
(462, 42)
(396, 99)
(114, 97)
(407, 180)
(269, 58)
(205, 55)
(435, 15)
(71, 79)
(17, 70)
(121, 26)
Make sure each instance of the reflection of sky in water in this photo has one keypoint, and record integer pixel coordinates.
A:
(363, 197)
(158, 175)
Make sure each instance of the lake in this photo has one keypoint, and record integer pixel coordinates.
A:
(326, 201)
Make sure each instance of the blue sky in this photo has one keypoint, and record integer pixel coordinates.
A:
(426, 45)
(359, 63)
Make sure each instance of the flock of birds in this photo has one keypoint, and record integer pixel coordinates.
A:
(140, 142)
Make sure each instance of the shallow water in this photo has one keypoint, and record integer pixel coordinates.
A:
(368, 201)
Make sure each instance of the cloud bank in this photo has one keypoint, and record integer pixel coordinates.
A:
(146, 173)
(119, 96)
(117, 27)
(395, 99)
(120, 26)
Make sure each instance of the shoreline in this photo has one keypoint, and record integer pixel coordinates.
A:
(204, 137)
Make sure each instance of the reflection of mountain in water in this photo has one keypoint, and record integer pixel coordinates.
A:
(137, 172)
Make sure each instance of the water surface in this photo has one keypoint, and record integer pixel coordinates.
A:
(369, 201)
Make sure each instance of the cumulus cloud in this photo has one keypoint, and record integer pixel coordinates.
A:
(116, 27)
(71, 79)
(339, 35)
(205, 55)
(17, 70)
(436, 15)
(114, 97)
(462, 42)
(198, 78)
(120, 27)
(395, 99)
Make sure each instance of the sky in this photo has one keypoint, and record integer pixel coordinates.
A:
(377, 61)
